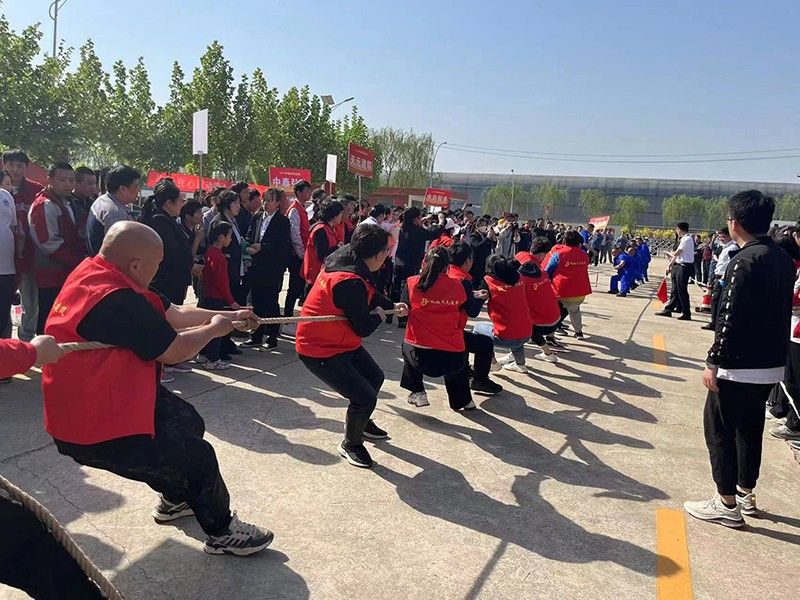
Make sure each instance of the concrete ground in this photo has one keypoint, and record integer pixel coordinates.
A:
(550, 490)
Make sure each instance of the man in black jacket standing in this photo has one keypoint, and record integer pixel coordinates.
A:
(746, 360)
(270, 228)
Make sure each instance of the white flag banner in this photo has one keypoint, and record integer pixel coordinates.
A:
(200, 132)
(330, 169)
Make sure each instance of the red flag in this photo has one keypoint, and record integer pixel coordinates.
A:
(662, 291)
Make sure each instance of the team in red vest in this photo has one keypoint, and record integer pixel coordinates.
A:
(323, 240)
(568, 266)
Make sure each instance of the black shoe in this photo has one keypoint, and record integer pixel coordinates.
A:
(5, 380)
(579, 335)
(612, 292)
(622, 294)
(373, 432)
(252, 344)
(634, 286)
(235, 350)
(271, 343)
(684, 318)
(709, 327)
(486, 387)
(356, 456)
(664, 313)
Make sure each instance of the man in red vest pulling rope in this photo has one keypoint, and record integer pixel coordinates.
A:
(106, 409)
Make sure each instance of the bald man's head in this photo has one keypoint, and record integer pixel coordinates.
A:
(135, 248)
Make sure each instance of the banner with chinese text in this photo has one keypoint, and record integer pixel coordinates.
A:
(437, 197)
(284, 178)
(359, 160)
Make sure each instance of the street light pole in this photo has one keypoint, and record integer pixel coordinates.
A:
(338, 104)
(512, 191)
(53, 11)
(433, 162)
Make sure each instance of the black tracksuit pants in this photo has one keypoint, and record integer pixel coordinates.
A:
(482, 347)
(358, 378)
(679, 291)
(733, 422)
(453, 366)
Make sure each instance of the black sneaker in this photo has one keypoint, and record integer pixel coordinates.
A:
(373, 432)
(578, 335)
(241, 539)
(356, 456)
(271, 343)
(5, 380)
(486, 387)
(709, 327)
(251, 344)
(684, 318)
(166, 511)
(664, 313)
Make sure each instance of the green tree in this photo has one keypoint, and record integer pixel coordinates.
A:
(264, 106)
(498, 200)
(549, 197)
(173, 149)
(406, 156)
(593, 203)
(628, 210)
(788, 207)
(353, 128)
(716, 212)
(682, 207)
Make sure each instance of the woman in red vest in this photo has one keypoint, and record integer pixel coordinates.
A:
(434, 340)
(542, 302)
(322, 242)
(568, 267)
(508, 309)
(333, 351)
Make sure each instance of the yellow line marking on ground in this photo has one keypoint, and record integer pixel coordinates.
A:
(673, 576)
(660, 352)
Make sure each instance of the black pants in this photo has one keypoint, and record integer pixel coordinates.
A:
(538, 333)
(33, 561)
(213, 349)
(296, 285)
(399, 276)
(8, 285)
(358, 378)
(716, 292)
(734, 427)
(679, 291)
(787, 395)
(47, 297)
(453, 366)
(482, 347)
(174, 292)
(265, 289)
(177, 462)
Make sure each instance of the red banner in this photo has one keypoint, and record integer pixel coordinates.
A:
(359, 160)
(188, 183)
(600, 222)
(284, 178)
(437, 197)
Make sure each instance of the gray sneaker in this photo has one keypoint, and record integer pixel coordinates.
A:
(241, 539)
(166, 511)
(747, 503)
(715, 511)
(782, 432)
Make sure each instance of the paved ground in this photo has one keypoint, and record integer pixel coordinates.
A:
(550, 490)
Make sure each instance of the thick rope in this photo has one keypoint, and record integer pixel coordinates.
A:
(57, 530)
(240, 325)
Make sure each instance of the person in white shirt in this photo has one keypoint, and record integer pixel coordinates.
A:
(681, 269)
(8, 277)
(728, 246)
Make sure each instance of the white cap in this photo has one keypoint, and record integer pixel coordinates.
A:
(450, 224)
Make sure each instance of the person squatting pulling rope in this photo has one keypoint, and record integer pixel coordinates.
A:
(105, 408)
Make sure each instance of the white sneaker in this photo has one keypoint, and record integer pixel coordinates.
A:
(506, 359)
(289, 330)
(495, 367)
(240, 539)
(418, 399)
(715, 511)
(469, 406)
(747, 503)
(219, 365)
(182, 367)
(551, 358)
(516, 368)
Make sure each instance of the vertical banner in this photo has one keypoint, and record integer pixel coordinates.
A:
(437, 197)
(359, 160)
(330, 168)
(284, 178)
(200, 132)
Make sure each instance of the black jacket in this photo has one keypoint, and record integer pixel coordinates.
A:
(176, 268)
(350, 295)
(411, 247)
(753, 323)
(276, 244)
(482, 248)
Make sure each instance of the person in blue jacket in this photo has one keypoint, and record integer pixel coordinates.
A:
(644, 256)
(623, 263)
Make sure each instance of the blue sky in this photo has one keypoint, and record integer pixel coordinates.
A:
(568, 76)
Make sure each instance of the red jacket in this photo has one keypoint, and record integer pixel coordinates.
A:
(59, 245)
(508, 309)
(15, 357)
(24, 198)
(323, 340)
(434, 318)
(568, 267)
(97, 395)
(216, 283)
(542, 301)
(311, 262)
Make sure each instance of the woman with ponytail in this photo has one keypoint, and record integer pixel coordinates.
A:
(161, 212)
(434, 340)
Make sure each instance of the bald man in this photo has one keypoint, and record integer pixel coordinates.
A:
(106, 408)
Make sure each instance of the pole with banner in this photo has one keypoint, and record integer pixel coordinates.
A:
(360, 162)
(330, 173)
(200, 141)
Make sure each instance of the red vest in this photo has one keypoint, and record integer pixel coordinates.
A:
(571, 277)
(460, 274)
(311, 262)
(323, 340)
(508, 309)
(342, 230)
(542, 301)
(304, 227)
(97, 395)
(434, 317)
